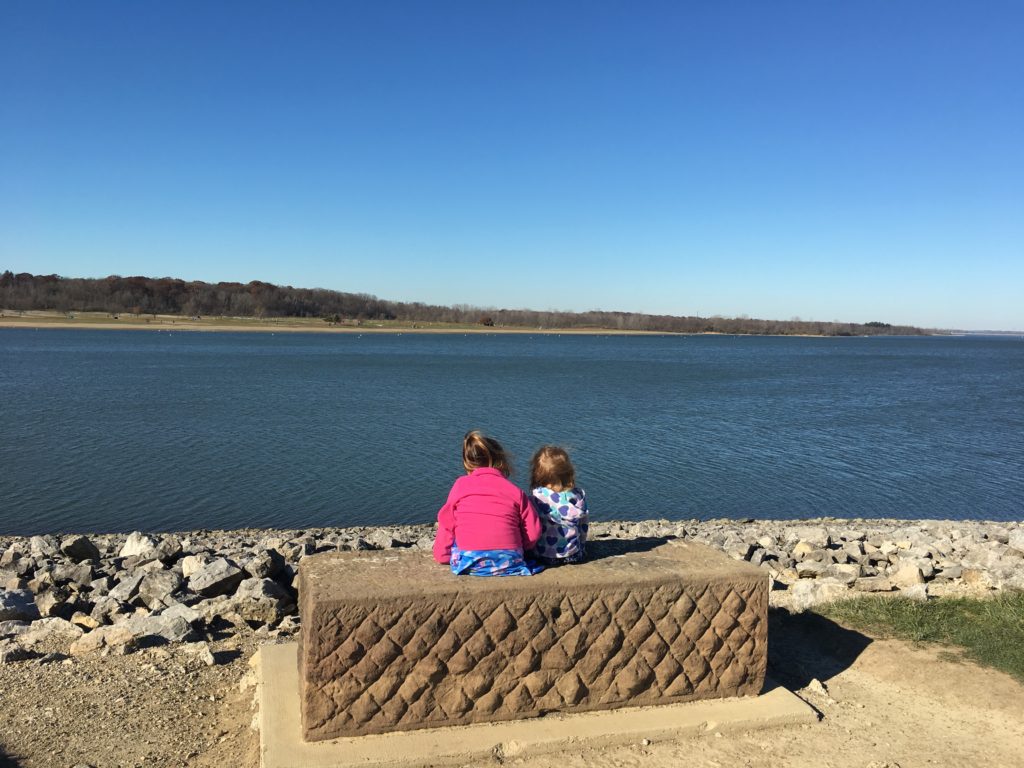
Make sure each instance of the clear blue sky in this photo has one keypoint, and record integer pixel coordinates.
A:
(828, 160)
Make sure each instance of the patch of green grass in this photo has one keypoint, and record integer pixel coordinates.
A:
(991, 631)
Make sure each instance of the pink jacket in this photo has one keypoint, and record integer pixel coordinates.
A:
(485, 511)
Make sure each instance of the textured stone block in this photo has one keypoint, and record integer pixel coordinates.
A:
(392, 641)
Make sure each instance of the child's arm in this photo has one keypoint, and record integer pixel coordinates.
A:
(530, 528)
(445, 532)
(580, 512)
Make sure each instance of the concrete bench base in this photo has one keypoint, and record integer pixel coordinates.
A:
(392, 641)
(282, 746)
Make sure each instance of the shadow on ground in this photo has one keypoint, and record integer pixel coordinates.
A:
(805, 646)
(599, 548)
(6, 761)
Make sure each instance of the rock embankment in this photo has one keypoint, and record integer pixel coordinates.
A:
(69, 596)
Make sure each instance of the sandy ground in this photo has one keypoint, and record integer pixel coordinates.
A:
(884, 704)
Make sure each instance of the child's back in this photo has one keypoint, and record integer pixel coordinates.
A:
(561, 506)
(485, 514)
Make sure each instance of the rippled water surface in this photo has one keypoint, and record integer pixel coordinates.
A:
(117, 430)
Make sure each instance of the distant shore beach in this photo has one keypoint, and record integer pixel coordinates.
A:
(289, 325)
(100, 322)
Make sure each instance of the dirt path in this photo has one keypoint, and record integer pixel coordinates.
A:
(156, 707)
(884, 703)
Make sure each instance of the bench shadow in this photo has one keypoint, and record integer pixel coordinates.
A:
(6, 761)
(601, 548)
(806, 646)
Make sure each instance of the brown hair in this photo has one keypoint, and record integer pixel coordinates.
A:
(552, 469)
(478, 451)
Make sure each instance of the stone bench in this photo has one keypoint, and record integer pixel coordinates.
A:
(393, 641)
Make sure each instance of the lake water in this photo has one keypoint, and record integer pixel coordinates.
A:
(118, 430)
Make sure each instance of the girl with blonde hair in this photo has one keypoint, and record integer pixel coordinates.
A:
(561, 506)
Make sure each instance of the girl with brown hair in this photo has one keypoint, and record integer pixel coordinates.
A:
(487, 524)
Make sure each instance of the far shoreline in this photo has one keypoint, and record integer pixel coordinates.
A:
(40, 320)
(185, 325)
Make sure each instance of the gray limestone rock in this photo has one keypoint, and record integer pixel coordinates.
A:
(18, 605)
(192, 563)
(852, 535)
(261, 600)
(156, 587)
(259, 588)
(847, 573)
(42, 581)
(54, 602)
(739, 550)
(381, 539)
(43, 546)
(1015, 539)
(10, 556)
(219, 577)
(51, 629)
(182, 611)
(854, 550)
(357, 543)
(807, 594)
(809, 569)
(873, 584)
(816, 536)
(949, 572)
(265, 564)
(127, 588)
(107, 609)
(171, 628)
(79, 574)
(101, 586)
(79, 549)
(169, 548)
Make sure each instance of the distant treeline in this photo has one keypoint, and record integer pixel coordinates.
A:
(170, 296)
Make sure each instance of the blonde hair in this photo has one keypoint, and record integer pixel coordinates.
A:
(478, 451)
(551, 468)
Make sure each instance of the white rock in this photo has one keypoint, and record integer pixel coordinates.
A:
(844, 572)
(802, 549)
(907, 575)
(51, 629)
(193, 563)
(137, 544)
(807, 593)
(1016, 539)
(817, 536)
